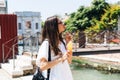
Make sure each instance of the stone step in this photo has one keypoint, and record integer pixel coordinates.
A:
(23, 63)
(18, 56)
(14, 72)
(5, 76)
(11, 61)
(23, 66)
(17, 71)
(24, 58)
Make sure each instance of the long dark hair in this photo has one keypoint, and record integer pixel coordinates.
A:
(51, 32)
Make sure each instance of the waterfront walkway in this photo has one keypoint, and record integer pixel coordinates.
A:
(91, 49)
(109, 55)
(106, 57)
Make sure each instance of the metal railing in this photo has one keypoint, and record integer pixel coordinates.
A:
(5, 45)
(104, 38)
(13, 48)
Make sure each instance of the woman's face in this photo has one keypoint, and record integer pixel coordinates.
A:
(61, 26)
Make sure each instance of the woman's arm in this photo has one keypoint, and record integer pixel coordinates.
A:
(46, 65)
(68, 39)
(69, 57)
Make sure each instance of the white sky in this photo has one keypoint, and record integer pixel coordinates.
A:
(48, 7)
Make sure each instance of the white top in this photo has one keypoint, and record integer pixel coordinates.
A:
(61, 71)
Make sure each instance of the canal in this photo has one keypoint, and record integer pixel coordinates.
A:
(92, 74)
(88, 74)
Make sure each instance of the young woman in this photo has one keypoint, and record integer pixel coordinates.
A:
(60, 57)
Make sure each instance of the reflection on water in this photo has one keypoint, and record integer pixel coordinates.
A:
(91, 74)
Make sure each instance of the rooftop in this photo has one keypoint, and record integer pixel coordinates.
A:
(27, 13)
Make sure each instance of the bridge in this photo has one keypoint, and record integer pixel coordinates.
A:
(93, 51)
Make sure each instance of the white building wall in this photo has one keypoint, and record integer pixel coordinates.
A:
(33, 17)
(3, 6)
(31, 39)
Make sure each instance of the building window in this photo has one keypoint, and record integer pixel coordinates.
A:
(36, 25)
(19, 25)
(28, 24)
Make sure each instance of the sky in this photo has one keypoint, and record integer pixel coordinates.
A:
(49, 8)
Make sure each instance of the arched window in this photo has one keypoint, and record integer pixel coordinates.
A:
(28, 24)
(19, 26)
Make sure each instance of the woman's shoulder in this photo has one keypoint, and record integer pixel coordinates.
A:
(64, 41)
(45, 42)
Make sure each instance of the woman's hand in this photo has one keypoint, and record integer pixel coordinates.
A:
(64, 57)
(69, 57)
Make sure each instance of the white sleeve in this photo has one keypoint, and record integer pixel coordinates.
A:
(43, 52)
(64, 41)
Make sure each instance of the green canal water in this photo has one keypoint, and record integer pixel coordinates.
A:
(89, 74)
(92, 74)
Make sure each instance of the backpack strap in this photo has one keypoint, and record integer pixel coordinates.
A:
(49, 59)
